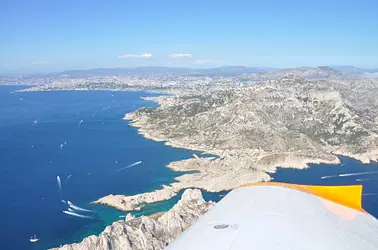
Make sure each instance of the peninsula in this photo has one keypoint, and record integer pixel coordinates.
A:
(257, 128)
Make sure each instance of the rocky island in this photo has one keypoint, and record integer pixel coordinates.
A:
(153, 232)
(136, 202)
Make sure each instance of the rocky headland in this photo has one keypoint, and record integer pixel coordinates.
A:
(255, 129)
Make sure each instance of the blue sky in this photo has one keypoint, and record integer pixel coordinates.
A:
(51, 35)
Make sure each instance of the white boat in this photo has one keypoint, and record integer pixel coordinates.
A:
(33, 239)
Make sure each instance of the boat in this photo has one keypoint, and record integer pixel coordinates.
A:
(33, 239)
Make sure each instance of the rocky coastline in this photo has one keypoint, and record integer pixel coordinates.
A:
(152, 232)
(254, 130)
(136, 202)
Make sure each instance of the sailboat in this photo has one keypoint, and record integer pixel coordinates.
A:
(33, 239)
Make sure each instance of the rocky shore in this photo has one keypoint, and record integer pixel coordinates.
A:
(253, 131)
(152, 232)
(136, 202)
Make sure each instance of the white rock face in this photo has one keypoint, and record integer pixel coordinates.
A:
(289, 122)
(148, 232)
(136, 202)
(129, 217)
(254, 129)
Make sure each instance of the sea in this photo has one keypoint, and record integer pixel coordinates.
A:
(329, 175)
(80, 136)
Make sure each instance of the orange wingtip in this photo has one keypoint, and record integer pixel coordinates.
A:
(348, 196)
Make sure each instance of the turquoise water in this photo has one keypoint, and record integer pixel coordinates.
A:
(32, 128)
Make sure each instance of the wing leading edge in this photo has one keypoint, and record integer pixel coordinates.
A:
(271, 216)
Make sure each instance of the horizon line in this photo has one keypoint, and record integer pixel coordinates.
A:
(182, 67)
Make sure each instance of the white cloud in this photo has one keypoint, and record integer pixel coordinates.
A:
(180, 55)
(39, 62)
(143, 56)
(203, 61)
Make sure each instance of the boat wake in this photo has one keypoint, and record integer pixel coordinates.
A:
(129, 166)
(348, 174)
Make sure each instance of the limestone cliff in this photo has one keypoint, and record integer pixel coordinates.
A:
(254, 129)
(148, 232)
(136, 202)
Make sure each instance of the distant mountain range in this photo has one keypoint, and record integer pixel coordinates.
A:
(353, 70)
(339, 72)
(308, 72)
(229, 71)
(349, 72)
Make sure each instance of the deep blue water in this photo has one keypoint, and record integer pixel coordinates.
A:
(31, 157)
(312, 176)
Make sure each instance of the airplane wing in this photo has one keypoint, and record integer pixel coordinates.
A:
(280, 216)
